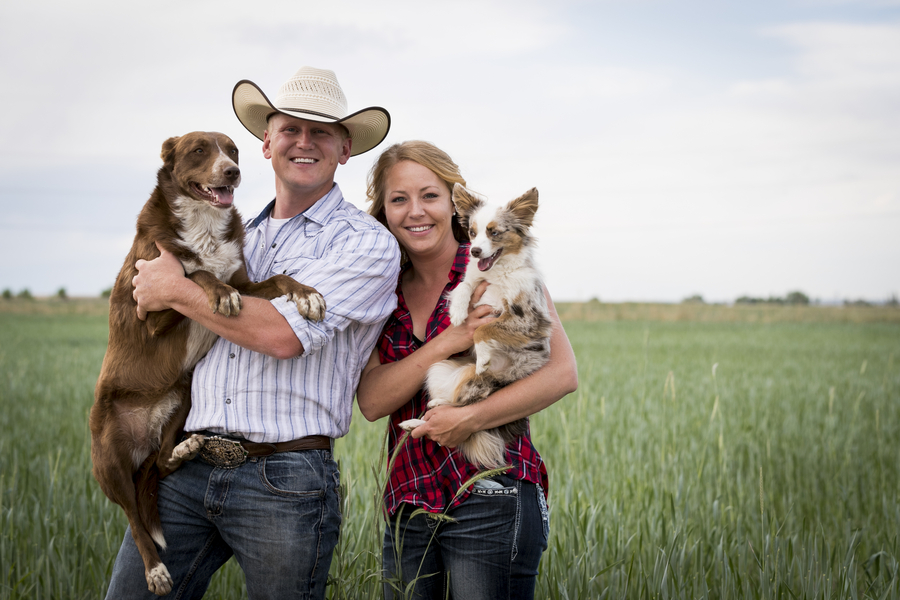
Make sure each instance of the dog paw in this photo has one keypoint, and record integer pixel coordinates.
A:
(482, 365)
(411, 424)
(458, 315)
(311, 305)
(158, 580)
(437, 402)
(186, 450)
(226, 302)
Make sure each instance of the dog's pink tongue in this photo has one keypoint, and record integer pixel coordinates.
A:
(486, 263)
(223, 195)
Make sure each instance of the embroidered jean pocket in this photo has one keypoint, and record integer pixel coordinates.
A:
(545, 510)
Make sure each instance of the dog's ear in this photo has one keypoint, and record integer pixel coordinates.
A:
(465, 201)
(168, 148)
(525, 206)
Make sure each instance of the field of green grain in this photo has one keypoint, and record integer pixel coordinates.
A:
(707, 454)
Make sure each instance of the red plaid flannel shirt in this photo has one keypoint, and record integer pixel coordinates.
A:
(425, 474)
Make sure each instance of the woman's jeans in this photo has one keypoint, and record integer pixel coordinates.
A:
(278, 515)
(491, 550)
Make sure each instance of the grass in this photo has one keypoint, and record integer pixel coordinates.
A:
(715, 457)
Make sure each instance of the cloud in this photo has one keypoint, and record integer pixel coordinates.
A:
(661, 165)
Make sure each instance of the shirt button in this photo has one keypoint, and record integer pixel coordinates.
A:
(227, 400)
(231, 355)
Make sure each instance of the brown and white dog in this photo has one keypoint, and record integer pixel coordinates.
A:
(142, 396)
(517, 343)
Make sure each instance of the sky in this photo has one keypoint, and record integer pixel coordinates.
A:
(680, 147)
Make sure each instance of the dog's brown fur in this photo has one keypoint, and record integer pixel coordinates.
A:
(142, 396)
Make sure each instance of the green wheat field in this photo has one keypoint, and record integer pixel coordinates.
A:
(709, 452)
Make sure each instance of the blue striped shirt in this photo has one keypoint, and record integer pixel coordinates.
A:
(353, 261)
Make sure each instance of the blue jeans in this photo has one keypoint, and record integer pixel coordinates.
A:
(491, 551)
(278, 515)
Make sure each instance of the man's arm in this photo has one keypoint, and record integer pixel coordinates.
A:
(161, 284)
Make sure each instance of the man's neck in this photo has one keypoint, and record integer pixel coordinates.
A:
(290, 204)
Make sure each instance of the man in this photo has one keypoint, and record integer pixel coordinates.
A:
(275, 382)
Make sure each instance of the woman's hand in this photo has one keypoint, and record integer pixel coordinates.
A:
(384, 388)
(154, 281)
(459, 338)
(447, 425)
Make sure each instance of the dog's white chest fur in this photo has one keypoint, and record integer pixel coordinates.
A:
(206, 235)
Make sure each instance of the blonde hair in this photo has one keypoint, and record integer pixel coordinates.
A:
(424, 153)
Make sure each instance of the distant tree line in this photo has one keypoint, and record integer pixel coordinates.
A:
(25, 294)
(795, 298)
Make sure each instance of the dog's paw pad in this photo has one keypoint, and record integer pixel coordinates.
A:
(186, 450)
(311, 306)
(436, 402)
(458, 317)
(230, 305)
(226, 301)
(411, 424)
(158, 580)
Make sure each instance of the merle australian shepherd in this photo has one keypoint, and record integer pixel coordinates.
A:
(517, 343)
(142, 396)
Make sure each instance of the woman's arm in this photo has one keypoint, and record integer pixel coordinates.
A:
(385, 388)
(450, 425)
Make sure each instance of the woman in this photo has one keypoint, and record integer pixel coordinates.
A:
(493, 546)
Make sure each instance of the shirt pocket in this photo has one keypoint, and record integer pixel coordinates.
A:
(295, 266)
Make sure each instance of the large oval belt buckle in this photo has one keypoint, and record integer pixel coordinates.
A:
(223, 453)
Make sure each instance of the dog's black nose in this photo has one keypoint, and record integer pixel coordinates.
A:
(232, 173)
(476, 252)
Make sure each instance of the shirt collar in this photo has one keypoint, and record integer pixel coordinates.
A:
(461, 260)
(318, 213)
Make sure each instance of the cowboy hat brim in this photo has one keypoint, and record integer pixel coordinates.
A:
(368, 127)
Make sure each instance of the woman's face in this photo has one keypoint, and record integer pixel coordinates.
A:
(418, 209)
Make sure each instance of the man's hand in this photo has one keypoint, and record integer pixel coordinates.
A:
(154, 282)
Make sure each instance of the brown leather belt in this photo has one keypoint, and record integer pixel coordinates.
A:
(230, 453)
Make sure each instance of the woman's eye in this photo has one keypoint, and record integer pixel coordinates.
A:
(199, 150)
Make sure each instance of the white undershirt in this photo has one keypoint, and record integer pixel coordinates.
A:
(272, 227)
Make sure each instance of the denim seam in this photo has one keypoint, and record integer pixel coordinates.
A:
(219, 503)
(194, 566)
(324, 507)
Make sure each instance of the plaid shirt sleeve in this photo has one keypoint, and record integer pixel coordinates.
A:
(425, 474)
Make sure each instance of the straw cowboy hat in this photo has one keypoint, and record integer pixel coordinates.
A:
(313, 95)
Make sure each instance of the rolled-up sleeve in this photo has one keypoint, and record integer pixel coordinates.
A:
(355, 271)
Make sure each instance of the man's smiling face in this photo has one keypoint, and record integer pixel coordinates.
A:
(305, 155)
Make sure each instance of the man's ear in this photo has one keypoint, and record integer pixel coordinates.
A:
(267, 151)
(345, 150)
